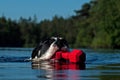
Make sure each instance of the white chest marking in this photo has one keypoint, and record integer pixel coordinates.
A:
(50, 52)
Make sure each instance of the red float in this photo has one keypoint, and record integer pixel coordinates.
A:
(74, 56)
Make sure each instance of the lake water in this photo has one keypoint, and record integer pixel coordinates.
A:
(99, 65)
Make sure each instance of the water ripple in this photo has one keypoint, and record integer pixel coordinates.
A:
(13, 59)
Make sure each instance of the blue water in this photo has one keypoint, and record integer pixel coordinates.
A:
(99, 65)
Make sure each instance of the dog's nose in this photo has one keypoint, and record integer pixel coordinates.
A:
(64, 49)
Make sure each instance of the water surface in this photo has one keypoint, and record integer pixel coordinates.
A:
(100, 65)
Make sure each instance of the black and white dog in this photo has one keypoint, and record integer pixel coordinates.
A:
(46, 49)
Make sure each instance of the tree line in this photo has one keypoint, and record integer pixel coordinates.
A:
(95, 25)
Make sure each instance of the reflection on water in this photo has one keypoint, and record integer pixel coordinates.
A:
(56, 71)
(99, 65)
(59, 75)
(47, 65)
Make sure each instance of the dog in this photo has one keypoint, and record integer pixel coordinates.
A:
(46, 48)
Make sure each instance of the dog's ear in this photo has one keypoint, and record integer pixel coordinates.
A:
(36, 49)
(34, 53)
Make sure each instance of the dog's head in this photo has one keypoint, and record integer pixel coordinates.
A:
(61, 43)
(49, 44)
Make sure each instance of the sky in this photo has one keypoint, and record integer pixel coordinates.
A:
(43, 9)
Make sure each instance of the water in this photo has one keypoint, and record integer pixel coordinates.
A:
(100, 65)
